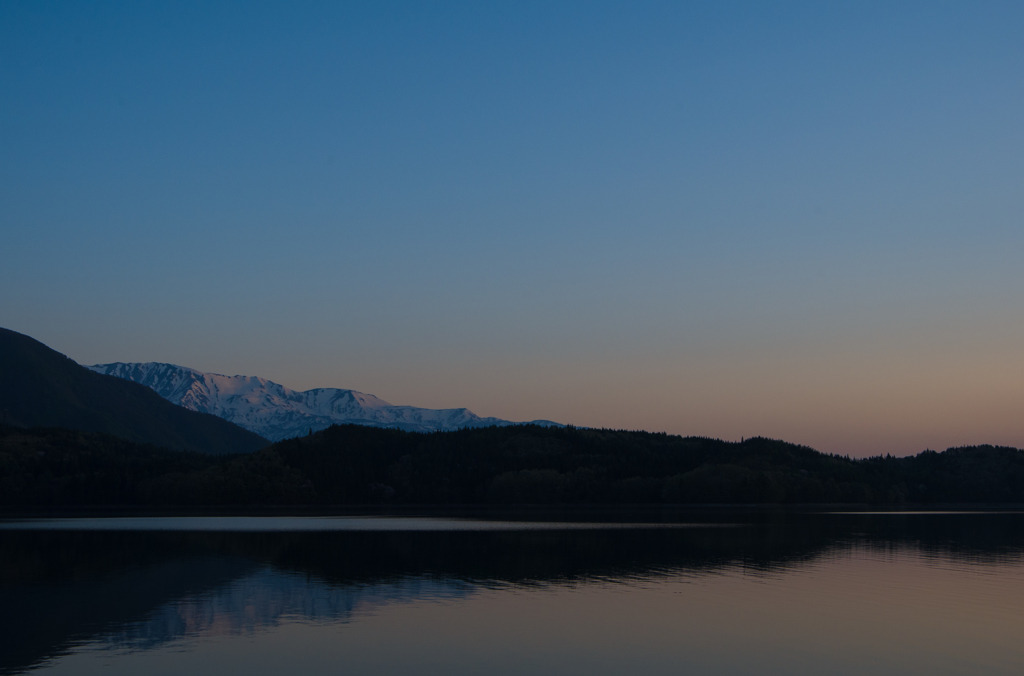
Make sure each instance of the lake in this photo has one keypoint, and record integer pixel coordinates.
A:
(516, 592)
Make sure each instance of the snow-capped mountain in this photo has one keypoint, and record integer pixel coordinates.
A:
(276, 412)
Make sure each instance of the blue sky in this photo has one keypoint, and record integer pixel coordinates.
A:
(799, 220)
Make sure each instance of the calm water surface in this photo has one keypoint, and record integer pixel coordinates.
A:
(580, 593)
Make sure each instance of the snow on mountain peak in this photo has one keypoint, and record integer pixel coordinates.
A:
(276, 412)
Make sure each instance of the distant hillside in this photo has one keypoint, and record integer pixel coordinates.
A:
(41, 387)
(275, 412)
(354, 464)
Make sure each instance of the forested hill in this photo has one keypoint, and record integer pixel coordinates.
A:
(529, 464)
(523, 464)
(41, 387)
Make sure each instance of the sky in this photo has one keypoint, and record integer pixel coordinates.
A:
(795, 220)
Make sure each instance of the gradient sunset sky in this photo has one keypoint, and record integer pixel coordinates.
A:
(795, 220)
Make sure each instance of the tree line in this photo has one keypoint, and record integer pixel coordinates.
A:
(523, 464)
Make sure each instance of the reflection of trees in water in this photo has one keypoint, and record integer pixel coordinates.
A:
(46, 613)
(133, 590)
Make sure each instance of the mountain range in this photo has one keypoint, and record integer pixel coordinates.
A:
(40, 387)
(100, 439)
(276, 412)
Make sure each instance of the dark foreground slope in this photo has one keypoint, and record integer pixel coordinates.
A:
(54, 467)
(41, 387)
(510, 465)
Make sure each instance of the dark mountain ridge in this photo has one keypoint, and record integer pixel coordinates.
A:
(40, 387)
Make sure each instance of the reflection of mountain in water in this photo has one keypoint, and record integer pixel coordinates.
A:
(133, 590)
(264, 599)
